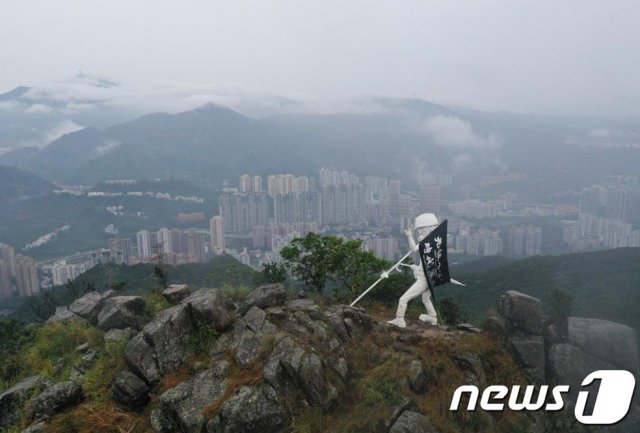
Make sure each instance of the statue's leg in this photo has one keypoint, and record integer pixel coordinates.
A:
(432, 315)
(413, 292)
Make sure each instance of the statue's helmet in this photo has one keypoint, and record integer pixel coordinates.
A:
(425, 220)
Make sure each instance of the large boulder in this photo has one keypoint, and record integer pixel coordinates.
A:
(121, 312)
(311, 377)
(140, 357)
(130, 391)
(270, 295)
(210, 307)
(412, 422)
(569, 365)
(88, 306)
(182, 408)
(612, 342)
(524, 311)
(13, 399)
(53, 400)
(251, 410)
(63, 315)
(169, 334)
(530, 354)
(175, 293)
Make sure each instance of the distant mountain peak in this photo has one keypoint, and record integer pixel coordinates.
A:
(15, 93)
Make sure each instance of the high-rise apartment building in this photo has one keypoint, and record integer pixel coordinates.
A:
(524, 240)
(27, 281)
(18, 274)
(120, 250)
(242, 211)
(216, 228)
(430, 196)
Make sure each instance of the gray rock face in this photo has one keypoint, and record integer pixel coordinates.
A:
(210, 306)
(412, 422)
(162, 346)
(312, 380)
(121, 312)
(88, 306)
(530, 354)
(270, 295)
(169, 335)
(612, 342)
(571, 365)
(54, 399)
(117, 335)
(39, 427)
(417, 377)
(140, 358)
(524, 311)
(13, 399)
(472, 366)
(251, 410)
(62, 315)
(181, 408)
(130, 391)
(302, 304)
(498, 326)
(175, 293)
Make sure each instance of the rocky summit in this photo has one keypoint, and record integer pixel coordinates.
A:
(279, 363)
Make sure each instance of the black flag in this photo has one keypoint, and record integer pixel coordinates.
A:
(433, 255)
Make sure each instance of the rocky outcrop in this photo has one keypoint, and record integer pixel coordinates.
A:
(13, 399)
(53, 400)
(210, 306)
(530, 354)
(121, 312)
(88, 306)
(162, 345)
(130, 391)
(63, 315)
(270, 295)
(182, 408)
(266, 414)
(175, 293)
(569, 365)
(412, 422)
(523, 311)
(612, 342)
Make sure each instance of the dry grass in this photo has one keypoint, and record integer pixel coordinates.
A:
(238, 377)
(99, 418)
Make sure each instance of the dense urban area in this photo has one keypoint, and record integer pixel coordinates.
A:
(260, 215)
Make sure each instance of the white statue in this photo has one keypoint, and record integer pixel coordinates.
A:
(424, 224)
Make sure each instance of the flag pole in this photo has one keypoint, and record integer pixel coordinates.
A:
(382, 277)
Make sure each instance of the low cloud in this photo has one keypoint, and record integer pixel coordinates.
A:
(455, 133)
(57, 131)
(465, 147)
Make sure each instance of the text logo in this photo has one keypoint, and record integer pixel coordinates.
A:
(612, 401)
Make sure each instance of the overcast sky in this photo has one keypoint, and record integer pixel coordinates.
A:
(575, 57)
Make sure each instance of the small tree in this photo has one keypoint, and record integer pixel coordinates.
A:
(315, 259)
(309, 259)
(274, 273)
(353, 267)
